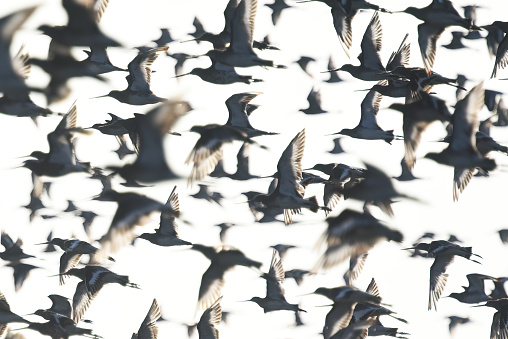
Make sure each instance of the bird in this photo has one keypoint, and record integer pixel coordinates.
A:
(443, 253)
(436, 17)
(133, 209)
(167, 233)
(288, 193)
(456, 42)
(93, 279)
(240, 51)
(499, 328)
(82, 28)
(455, 321)
(303, 62)
(21, 272)
(238, 114)
(149, 131)
(368, 128)
(208, 149)
(7, 316)
(210, 318)
(462, 153)
(344, 299)
(277, 7)
(206, 194)
(138, 90)
(352, 234)
(73, 251)
(16, 101)
(13, 251)
(148, 328)
(503, 234)
(60, 160)
(356, 263)
(221, 74)
(275, 299)
(98, 61)
(475, 292)
(314, 100)
(222, 260)
(502, 49)
(417, 116)
(35, 203)
(371, 68)
(11, 80)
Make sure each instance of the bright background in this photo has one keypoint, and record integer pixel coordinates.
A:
(172, 275)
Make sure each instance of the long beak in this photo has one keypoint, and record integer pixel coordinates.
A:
(301, 295)
(100, 96)
(409, 248)
(181, 75)
(56, 275)
(44, 243)
(196, 39)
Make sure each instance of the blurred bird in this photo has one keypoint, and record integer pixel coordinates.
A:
(149, 131)
(82, 28)
(206, 194)
(133, 209)
(7, 316)
(13, 251)
(462, 153)
(213, 279)
(456, 42)
(277, 7)
(60, 160)
(352, 234)
(314, 100)
(98, 61)
(455, 321)
(417, 116)
(21, 272)
(502, 49)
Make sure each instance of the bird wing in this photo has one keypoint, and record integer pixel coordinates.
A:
(148, 328)
(427, 38)
(412, 130)
(342, 25)
(211, 285)
(331, 196)
(465, 121)
(401, 57)
(275, 278)
(438, 278)
(168, 225)
(140, 71)
(81, 301)
(60, 146)
(369, 109)
(242, 26)
(237, 104)
(289, 167)
(501, 56)
(339, 317)
(371, 44)
(209, 319)
(205, 155)
(68, 261)
(461, 177)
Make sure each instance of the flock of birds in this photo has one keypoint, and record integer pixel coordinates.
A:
(355, 203)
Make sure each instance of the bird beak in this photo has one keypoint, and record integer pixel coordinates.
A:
(44, 243)
(100, 96)
(196, 39)
(180, 75)
(409, 248)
